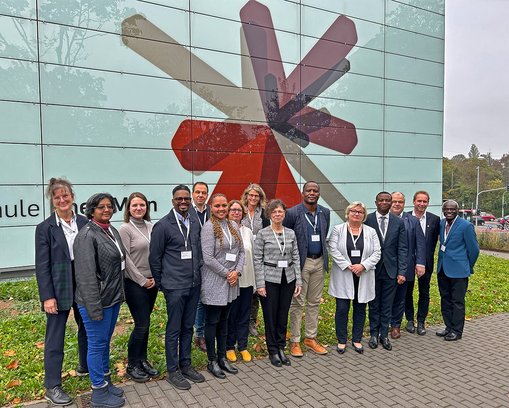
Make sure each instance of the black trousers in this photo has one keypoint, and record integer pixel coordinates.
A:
(341, 317)
(54, 345)
(238, 321)
(452, 295)
(275, 307)
(398, 305)
(141, 303)
(181, 309)
(216, 330)
(422, 303)
(380, 308)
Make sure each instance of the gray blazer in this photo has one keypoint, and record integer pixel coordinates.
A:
(215, 289)
(267, 254)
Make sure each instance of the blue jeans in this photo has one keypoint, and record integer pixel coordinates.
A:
(199, 322)
(99, 334)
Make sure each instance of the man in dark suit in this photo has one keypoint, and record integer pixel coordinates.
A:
(175, 261)
(201, 211)
(457, 255)
(430, 225)
(390, 270)
(310, 222)
(416, 259)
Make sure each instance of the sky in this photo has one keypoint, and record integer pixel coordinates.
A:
(476, 107)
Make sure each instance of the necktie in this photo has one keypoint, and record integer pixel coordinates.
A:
(382, 225)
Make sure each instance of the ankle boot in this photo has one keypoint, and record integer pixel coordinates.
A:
(116, 391)
(101, 397)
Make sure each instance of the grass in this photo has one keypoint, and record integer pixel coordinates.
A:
(22, 326)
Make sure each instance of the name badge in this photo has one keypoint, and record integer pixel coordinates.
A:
(254, 237)
(122, 265)
(186, 255)
(355, 252)
(442, 248)
(315, 238)
(282, 264)
(231, 257)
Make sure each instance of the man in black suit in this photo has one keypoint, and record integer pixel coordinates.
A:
(390, 269)
(201, 211)
(430, 224)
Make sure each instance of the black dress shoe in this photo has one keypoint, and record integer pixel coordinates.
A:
(452, 336)
(386, 344)
(359, 350)
(136, 374)
(410, 328)
(226, 366)
(57, 396)
(373, 342)
(421, 330)
(443, 333)
(284, 359)
(215, 370)
(147, 367)
(341, 350)
(81, 371)
(275, 360)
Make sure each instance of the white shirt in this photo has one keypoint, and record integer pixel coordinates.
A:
(70, 231)
(422, 221)
(379, 219)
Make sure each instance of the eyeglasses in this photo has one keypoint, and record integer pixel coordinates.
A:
(236, 210)
(180, 199)
(398, 202)
(104, 207)
(253, 196)
(357, 212)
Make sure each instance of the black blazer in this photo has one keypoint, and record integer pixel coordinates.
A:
(53, 269)
(394, 247)
(192, 212)
(432, 234)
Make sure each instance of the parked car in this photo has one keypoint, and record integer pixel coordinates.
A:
(488, 217)
(477, 220)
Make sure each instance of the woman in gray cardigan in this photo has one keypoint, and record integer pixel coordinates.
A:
(223, 261)
(277, 273)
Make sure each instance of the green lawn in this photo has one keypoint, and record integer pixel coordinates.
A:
(22, 331)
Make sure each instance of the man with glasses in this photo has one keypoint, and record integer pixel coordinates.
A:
(457, 255)
(416, 259)
(390, 270)
(175, 260)
(201, 211)
(310, 222)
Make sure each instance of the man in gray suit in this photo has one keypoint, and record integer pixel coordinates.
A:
(390, 270)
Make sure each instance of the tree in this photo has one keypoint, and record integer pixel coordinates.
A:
(474, 152)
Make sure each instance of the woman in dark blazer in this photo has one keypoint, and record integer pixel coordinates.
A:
(100, 265)
(277, 274)
(54, 270)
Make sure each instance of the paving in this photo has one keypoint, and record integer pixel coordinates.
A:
(420, 371)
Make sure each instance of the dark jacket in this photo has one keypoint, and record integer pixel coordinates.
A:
(431, 237)
(394, 246)
(53, 268)
(166, 245)
(99, 277)
(416, 245)
(295, 219)
(193, 213)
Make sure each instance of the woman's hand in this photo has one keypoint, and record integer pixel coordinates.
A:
(150, 283)
(262, 292)
(232, 278)
(357, 269)
(297, 291)
(50, 306)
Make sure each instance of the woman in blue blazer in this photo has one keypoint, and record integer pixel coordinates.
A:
(54, 270)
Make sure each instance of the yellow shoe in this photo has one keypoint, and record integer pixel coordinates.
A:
(246, 355)
(230, 355)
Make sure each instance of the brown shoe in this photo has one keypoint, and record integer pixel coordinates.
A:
(395, 333)
(313, 345)
(295, 349)
(200, 343)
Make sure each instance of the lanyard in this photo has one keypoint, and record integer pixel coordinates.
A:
(137, 229)
(204, 215)
(310, 223)
(186, 238)
(228, 236)
(251, 219)
(356, 239)
(447, 231)
(114, 240)
(283, 248)
(67, 227)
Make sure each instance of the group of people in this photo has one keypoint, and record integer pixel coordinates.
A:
(215, 262)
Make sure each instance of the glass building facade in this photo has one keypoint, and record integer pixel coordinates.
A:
(125, 95)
